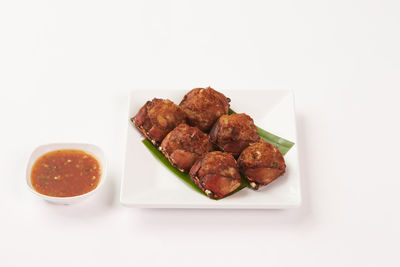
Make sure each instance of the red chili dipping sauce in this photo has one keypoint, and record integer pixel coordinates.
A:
(65, 173)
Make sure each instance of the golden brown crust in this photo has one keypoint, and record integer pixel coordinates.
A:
(233, 133)
(261, 163)
(157, 118)
(216, 174)
(204, 106)
(184, 145)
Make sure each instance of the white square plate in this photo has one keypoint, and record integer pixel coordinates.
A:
(147, 183)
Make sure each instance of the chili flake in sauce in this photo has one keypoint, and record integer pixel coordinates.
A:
(65, 173)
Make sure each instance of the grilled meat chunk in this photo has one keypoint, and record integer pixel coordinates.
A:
(233, 133)
(204, 106)
(184, 145)
(261, 163)
(216, 174)
(157, 118)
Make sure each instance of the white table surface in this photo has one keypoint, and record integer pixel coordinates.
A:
(66, 68)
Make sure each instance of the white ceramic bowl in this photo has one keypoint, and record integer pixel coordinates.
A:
(43, 149)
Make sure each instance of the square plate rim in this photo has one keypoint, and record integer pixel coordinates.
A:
(217, 205)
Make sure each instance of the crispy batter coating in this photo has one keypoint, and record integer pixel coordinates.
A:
(216, 174)
(233, 133)
(157, 118)
(261, 163)
(204, 106)
(184, 145)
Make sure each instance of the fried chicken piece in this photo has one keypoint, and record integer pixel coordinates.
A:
(157, 118)
(261, 163)
(204, 106)
(216, 174)
(233, 133)
(184, 145)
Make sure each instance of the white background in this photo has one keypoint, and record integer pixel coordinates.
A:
(66, 68)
